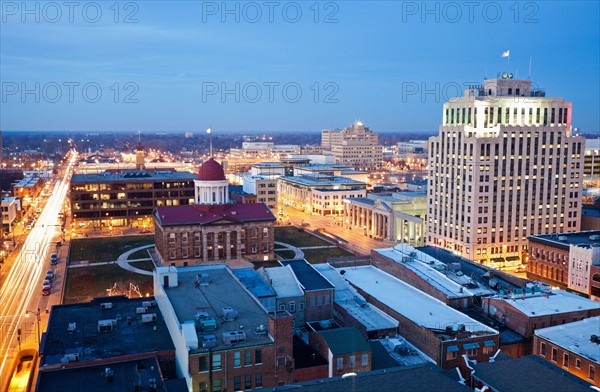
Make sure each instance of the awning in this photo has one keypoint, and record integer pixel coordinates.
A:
(513, 258)
(488, 343)
(452, 349)
(470, 346)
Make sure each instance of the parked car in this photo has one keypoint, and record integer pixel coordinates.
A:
(49, 277)
(50, 272)
(53, 259)
(38, 211)
(46, 290)
(28, 227)
(47, 282)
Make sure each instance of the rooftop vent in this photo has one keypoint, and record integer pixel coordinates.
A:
(108, 374)
(595, 237)
(106, 305)
(562, 237)
(70, 358)
(72, 327)
(260, 330)
(141, 310)
(595, 339)
(234, 337)
(149, 318)
(148, 304)
(106, 325)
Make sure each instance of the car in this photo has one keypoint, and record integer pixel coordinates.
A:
(47, 282)
(49, 277)
(54, 259)
(58, 243)
(38, 211)
(50, 272)
(46, 290)
(28, 227)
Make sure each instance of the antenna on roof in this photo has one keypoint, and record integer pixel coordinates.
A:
(529, 75)
(209, 131)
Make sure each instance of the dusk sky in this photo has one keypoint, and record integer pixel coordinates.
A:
(176, 58)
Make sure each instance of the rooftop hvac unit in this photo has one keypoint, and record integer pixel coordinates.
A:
(234, 337)
(149, 318)
(201, 315)
(148, 304)
(361, 302)
(108, 374)
(72, 327)
(106, 325)
(209, 341)
(141, 310)
(562, 237)
(70, 358)
(208, 324)
(106, 305)
(325, 324)
(260, 330)
(461, 327)
(595, 339)
(229, 313)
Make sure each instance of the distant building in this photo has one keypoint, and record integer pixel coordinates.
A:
(439, 331)
(398, 216)
(27, 189)
(591, 165)
(262, 150)
(569, 261)
(213, 230)
(413, 146)
(503, 167)
(264, 187)
(127, 197)
(356, 145)
(574, 347)
(224, 338)
(289, 293)
(319, 193)
(11, 208)
(346, 350)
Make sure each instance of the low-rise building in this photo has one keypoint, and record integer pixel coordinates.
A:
(289, 293)
(253, 282)
(318, 291)
(350, 309)
(569, 261)
(27, 189)
(396, 216)
(106, 330)
(224, 338)
(439, 331)
(332, 169)
(574, 347)
(319, 193)
(264, 187)
(11, 207)
(345, 349)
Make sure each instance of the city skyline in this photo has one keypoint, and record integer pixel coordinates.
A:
(162, 69)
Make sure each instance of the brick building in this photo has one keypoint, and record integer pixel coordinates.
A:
(345, 349)
(526, 312)
(224, 338)
(213, 230)
(570, 261)
(574, 347)
(439, 331)
(318, 291)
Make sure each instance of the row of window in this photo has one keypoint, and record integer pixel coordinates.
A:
(364, 361)
(216, 363)
(217, 383)
(591, 374)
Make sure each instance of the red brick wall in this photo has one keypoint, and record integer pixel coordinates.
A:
(548, 264)
(581, 372)
(318, 312)
(310, 373)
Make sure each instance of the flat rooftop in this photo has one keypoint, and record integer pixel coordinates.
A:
(284, 282)
(345, 296)
(254, 283)
(575, 337)
(410, 302)
(434, 272)
(223, 290)
(132, 176)
(125, 375)
(127, 336)
(321, 180)
(553, 302)
(584, 239)
(307, 275)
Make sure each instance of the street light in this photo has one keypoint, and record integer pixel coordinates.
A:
(38, 318)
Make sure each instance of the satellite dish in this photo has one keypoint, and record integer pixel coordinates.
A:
(504, 75)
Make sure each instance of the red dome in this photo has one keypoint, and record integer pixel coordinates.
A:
(211, 170)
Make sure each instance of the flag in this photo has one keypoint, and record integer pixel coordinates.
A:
(506, 54)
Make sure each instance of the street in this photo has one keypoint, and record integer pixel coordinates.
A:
(21, 291)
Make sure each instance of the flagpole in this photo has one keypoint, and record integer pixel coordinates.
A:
(529, 76)
(209, 131)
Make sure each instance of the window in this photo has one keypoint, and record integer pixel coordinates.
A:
(216, 385)
(237, 359)
(281, 306)
(257, 356)
(292, 306)
(488, 350)
(352, 361)
(171, 238)
(203, 387)
(258, 380)
(247, 358)
(339, 363)
(472, 352)
(554, 354)
(578, 363)
(566, 360)
(542, 349)
(203, 364)
(451, 355)
(237, 383)
(247, 381)
(591, 372)
(216, 361)
(300, 306)
(184, 237)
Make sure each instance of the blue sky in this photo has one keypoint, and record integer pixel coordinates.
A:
(166, 70)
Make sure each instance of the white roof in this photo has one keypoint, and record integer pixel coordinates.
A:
(557, 301)
(420, 308)
(575, 337)
(284, 282)
(432, 276)
(346, 297)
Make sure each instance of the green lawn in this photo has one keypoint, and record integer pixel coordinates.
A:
(316, 256)
(297, 237)
(147, 265)
(140, 254)
(285, 254)
(85, 283)
(97, 250)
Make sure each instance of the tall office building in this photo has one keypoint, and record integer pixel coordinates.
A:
(355, 145)
(504, 166)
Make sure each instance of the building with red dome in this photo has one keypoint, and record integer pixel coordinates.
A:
(213, 230)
